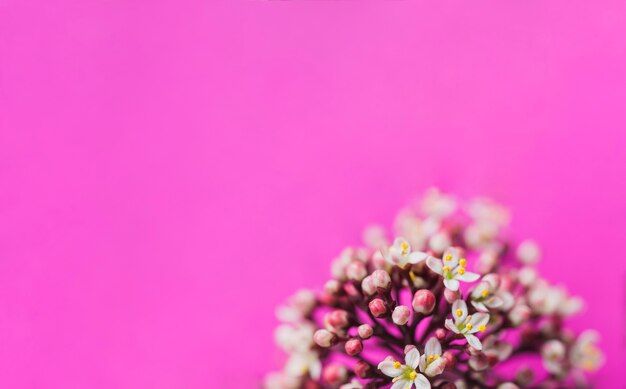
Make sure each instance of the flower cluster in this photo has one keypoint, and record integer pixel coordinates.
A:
(443, 305)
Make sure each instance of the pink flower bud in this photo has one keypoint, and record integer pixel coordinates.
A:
(451, 296)
(351, 290)
(381, 279)
(368, 287)
(356, 271)
(324, 338)
(354, 346)
(334, 374)
(401, 315)
(408, 348)
(362, 369)
(424, 301)
(365, 331)
(378, 260)
(440, 333)
(449, 358)
(519, 314)
(377, 307)
(332, 287)
(336, 319)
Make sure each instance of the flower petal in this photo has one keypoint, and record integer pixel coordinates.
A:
(434, 264)
(402, 384)
(473, 341)
(480, 306)
(421, 382)
(388, 368)
(433, 347)
(468, 277)
(453, 285)
(450, 325)
(436, 367)
(412, 358)
(417, 257)
(462, 305)
(479, 319)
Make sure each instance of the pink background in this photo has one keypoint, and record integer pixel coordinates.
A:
(170, 172)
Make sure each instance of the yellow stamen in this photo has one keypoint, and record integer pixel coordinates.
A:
(446, 269)
(461, 270)
(459, 312)
(469, 326)
(413, 375)
(463, 262)
(436, 356)
(405, 247)
(397, 365)
(431, 358)
(448, 257)
(482, 328)
(485, 293)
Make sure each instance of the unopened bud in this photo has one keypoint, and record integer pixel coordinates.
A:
(335, 374)
(351, 290)
(528, 252)
(365, 331)
(449, 358)
(367, 285)
(324, 338)
(401, 315)
(424, 301)
(354, 346)
(377, 307)
(519, 314)
(440, 333)
(332, 287)
(356, 271)
(336, 319)
(451, 296)
(362, 369)
(381, 279)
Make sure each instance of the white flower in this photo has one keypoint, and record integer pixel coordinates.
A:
(493, 349)
(553, 356)
(405, 376)
(400, 254)
(354, 384)
(295, 338)
(415, 230)
(487, 294)
(547, 300)
(451, 268)
(298, 307)
(431, 362)
(528, 252)
(467, 325)
(437, 204)
(281, 380)
(303, 363)
(585, 354)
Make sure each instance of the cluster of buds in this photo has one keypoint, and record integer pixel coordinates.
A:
(449, 303)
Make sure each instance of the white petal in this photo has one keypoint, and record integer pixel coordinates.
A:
(474, 341)
(453, 285)
(315, 369)
(421, 382)
(417, 257)
(423, 362)
(479, 319)
(433, 347)
(388, 369)
(459, 304)
(402, 384)
(468, 277)
(434, 264)
(480, 306)
(412, 358)
(494, 302)
(450, 325)
(436, 367)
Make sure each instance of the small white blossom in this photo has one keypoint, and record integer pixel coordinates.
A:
(354, 384)
(405, 375)
(438, 205)
(585, 354)
(451, 268)
(431, 362)
(553, 356)
(400, 254)
(467, 325)
(304, 363)
(487, 294)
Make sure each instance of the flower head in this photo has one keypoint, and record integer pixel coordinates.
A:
(405, 376)
(467, 325)
(399, 254)
(452, 268)
(431, 362)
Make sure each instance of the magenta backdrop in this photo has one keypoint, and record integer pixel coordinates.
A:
(170, 172)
